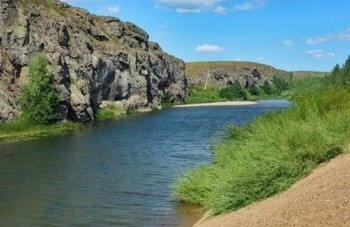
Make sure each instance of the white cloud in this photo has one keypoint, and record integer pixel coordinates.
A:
(340, 37)
(113, 9)
(250, 4)
(320, 54)
(220, 10)
(287, 42)
(109, 10)
(206, 48)
(184, 10)
(215, 6)
(188, 3)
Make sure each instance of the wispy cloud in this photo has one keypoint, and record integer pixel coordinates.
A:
(340, 37)
(206, 48)
(215, 6)
(320, 54)
(220, 10)
(184, 10)
(109, 10)
(250, 4)
(113, 9)
(288, 42)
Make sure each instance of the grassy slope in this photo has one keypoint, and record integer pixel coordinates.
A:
(270, 154)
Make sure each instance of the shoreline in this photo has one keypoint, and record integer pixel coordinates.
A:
(314, 200)
(229, 103)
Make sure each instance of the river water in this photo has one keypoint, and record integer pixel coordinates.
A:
(113, 173)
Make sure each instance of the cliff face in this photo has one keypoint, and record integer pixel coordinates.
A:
(221, 74)
(95, 61)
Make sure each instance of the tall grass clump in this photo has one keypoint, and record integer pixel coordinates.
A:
(271, 153)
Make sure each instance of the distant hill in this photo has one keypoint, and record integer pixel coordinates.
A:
(303, 74)
(222, 73)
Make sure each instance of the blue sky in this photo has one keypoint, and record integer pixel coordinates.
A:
(287, 34)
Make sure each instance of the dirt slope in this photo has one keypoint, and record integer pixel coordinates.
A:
(321, 199)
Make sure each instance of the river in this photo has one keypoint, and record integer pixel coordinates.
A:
(113, 173)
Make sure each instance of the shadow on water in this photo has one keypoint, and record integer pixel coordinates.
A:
(113, 173)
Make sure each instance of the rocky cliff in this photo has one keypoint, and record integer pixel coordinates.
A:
(95, 61)
(221, 74)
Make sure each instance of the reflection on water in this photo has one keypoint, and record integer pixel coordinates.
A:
(187, 214)
(114, 174)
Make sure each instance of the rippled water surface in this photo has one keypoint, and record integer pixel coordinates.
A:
(115, 173)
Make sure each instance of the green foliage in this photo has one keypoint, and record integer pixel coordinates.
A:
(200, 95)
(255, 90)
(276, 150)
(23, 129)
(268, 155)
(109, 113)
(234, 92)
(268, 88)
(281, 83)
(38, 97)
(166, 100)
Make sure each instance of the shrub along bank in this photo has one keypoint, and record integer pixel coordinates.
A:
(271, 153)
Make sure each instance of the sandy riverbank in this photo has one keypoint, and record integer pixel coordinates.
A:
(321, 199)
(231, 103)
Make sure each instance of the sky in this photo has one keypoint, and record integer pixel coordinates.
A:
(287, 34)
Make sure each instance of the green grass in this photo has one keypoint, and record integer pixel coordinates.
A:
(271, 153)
(109, 113)
(19, 130)
(212, 94)
(200, 95)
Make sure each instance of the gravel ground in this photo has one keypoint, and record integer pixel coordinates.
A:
(321, 199)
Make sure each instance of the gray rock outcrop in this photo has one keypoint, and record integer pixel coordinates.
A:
(221, 74)
(92, 59)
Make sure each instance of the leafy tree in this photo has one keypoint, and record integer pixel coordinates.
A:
(234, 91)
(267, 88)
(255, 90)
(281, 83)
(346, 72)
(38, 97)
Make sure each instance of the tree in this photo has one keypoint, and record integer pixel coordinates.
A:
(267, 88)
(281, 83)
(38, 97)
(234, 91)
(255, 90)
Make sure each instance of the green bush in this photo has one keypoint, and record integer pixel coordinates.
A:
(200, 95)
(234, 92)
(255, 90)
(38, 97)
(281, 83)
(268, 88)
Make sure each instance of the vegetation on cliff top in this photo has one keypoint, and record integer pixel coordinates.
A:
(274, 151)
